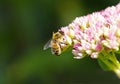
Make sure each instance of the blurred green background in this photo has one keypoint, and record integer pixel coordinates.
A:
(26, 25)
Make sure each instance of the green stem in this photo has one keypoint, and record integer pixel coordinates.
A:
(110, 62)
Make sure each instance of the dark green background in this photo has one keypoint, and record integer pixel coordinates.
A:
(26, 25)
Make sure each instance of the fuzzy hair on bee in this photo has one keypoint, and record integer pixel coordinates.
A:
(58, 43)
(55, 47)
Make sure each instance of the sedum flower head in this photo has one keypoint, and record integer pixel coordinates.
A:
(95, 32)
(96, 35)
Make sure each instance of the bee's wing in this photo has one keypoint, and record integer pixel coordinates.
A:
(47, 45)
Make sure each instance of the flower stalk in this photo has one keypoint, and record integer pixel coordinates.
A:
(109, 62)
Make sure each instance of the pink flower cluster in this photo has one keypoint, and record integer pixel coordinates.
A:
(95, 32)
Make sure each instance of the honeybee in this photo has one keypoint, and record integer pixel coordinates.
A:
(57, 43)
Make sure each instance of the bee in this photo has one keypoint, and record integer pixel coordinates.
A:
(57, 43)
